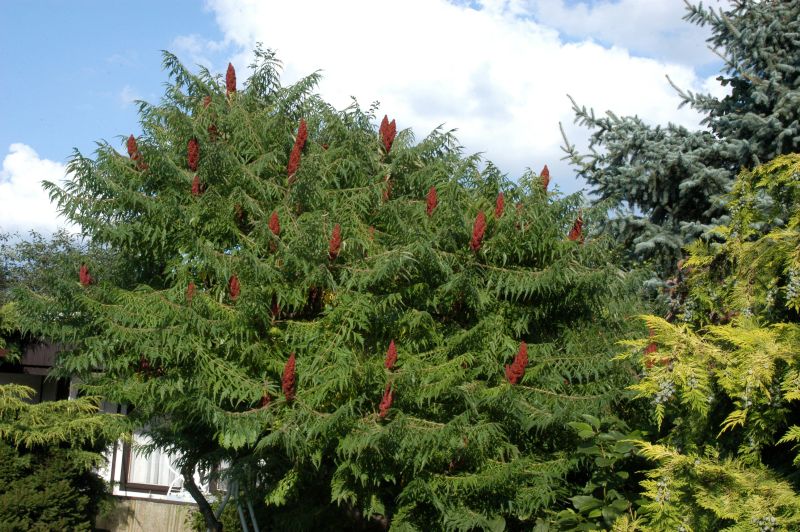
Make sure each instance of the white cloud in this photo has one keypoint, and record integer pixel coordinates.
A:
(128, 95)
(496, 74)
(24, 205)
(653, 28)
(197, 49)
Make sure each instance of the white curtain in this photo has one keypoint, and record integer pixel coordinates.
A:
(156, 468)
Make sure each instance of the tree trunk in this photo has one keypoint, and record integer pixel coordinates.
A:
(212, 523)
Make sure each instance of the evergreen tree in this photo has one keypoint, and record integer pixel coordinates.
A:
(724, 383)
(367, 330)
(666, 181)
(49, 453)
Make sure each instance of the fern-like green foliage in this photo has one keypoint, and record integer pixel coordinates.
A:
(724, 379)
(460, 447)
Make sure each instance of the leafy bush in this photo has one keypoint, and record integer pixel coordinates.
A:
(723, 382)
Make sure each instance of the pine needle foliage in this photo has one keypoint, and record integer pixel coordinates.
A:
(723, 380)
(457, 446)
(667, 181)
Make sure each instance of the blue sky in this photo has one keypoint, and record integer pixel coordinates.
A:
(69, 65)
(497, 70)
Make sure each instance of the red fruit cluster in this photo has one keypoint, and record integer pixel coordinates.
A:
(197, 187)
(230, 80)
(432, 202)
(545, 173)
(275, 224)
(193, 154)
(288, 379)
(84, 277)
(190, 290)
(135, 154)
(477, 231)
(297, 149)
(576, 233)
(206, 101)
(499, 206)
(233, 287)
(391, 356)
(133, 149)
(386, 402)
(516, 370)
(388, 131)
(4, 352)
(213, 133)
(335, 245)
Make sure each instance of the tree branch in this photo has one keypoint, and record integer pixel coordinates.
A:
(208, 513)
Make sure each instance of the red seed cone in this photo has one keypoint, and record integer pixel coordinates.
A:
(233, 287)
(335, 244)
(576, 233)
(388, 132)
(206, 101)
(499, 206)
(83, 276)
(545, 173)
(391, 356)
(133, 149)
(386, 402)
(190, 290)
(432, 201)
(516, 370)
(288, 379)
(230, 79)
(392, 134)
(193, 154)
(275, 224)
(297, 150)
(477, 231)
(384, 126)
(4, 352)
(213, 133)
(197, 187)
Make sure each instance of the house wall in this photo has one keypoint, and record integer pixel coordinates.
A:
(45, 388)
(137, 515)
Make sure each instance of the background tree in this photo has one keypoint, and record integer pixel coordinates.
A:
(367, 330)
(49, 451)
(666, 181)
(724, 383)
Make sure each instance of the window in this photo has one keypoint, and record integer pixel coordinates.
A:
(154, 472)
